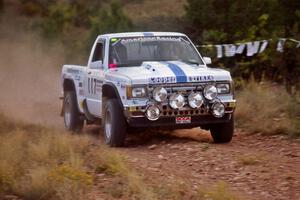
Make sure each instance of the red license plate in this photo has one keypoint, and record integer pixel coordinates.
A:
(183, 120)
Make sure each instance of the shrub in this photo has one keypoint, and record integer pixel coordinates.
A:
(103, 21)
(267, 108)
(41, 163)
(220, 191)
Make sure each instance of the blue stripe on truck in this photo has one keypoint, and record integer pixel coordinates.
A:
(148, 34)
(179, 73)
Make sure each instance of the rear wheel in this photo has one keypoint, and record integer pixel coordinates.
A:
(71, 113)
(223, 133)
(114, 124)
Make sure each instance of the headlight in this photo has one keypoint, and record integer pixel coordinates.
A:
(160, 94)
(177, 101)
(223, 88)
(210, 92)
(136, 92)
(152, 112)
(195, 100)
(218, 109)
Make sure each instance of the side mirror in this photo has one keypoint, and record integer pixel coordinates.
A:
(96, 65)
(207, 60)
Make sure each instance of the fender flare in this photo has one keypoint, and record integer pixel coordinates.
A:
(110, 91)
(68, 85)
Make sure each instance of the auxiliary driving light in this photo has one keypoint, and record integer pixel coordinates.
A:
(152, 112)
(195, 100)
(210, 92)
(218, 109)
(160, 94)
(177, 101)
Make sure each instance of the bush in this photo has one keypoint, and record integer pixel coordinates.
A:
(267, 108)
(40, 163)
(220, 191)
(113, 20)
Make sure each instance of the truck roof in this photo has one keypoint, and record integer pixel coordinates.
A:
(141, 34)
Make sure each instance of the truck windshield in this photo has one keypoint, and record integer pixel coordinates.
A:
(126, 52)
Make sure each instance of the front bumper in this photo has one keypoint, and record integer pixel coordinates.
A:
(135, 116)
(170, 122)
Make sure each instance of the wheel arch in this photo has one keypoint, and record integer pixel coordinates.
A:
(69, 86)
(110, 91)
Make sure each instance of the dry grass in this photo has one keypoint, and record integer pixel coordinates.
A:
(133, 186)
(220, 191)
(268, 109)
(38, 163)
(41, 163)
(251, 159)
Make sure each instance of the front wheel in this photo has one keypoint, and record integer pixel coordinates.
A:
(223, 133)
(71, 113)
(114, 124)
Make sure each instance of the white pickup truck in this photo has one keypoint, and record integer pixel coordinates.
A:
(147, 79)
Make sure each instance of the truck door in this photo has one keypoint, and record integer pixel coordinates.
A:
(94, 80)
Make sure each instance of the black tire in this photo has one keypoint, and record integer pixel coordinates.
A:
(72, 119)
(223, 133)
(114, 124)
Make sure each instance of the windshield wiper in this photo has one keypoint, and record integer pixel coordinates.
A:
(193, 62)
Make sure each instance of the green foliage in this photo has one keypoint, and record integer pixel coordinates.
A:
(268, 109)
(231, 21)
(109, 21)
(76, 24)
(60, 18)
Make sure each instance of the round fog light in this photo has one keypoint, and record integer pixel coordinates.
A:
(195, 100)
(152, 112)
(218, 109)
(160, 94)
(210, 92)
(177, 101)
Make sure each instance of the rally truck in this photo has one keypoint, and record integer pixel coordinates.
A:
(147, 80)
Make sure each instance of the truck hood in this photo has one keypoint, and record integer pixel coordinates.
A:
(169, 72)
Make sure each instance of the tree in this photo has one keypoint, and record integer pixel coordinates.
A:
(113, 20)
(231, 21)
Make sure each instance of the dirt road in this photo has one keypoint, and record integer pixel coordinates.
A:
(253, 166)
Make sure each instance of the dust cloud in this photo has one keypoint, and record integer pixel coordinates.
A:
(29, 77)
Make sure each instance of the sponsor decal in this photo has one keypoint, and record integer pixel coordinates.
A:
(113, 39)
(162, 79)
(94, 86)
(77, 77)
(148, 66)
(73, 71)
(201, 78)
(183, 120)
(154, 80)
(149, 39)
(81, 92)
(123, 85)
